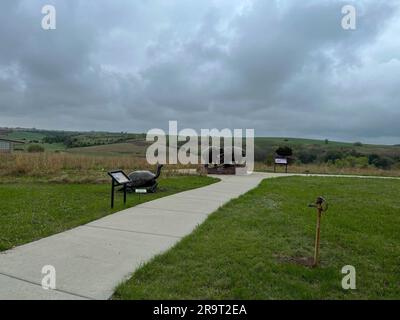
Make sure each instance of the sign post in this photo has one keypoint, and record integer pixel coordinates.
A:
(317, 238)
(118, 178)
(321, 205)
(140, 191)
(281, 161)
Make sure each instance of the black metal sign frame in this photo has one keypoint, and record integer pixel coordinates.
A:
(285, 163)
(118, 178)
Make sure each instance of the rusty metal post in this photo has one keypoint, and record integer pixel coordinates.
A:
(321, 205)
(317, 236)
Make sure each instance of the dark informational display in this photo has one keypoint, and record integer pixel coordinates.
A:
(118, 178)
(281, 161)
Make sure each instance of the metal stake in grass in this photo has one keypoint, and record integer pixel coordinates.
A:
(321, 206)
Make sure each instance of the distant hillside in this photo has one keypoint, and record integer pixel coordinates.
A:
(68, 140)
(323, 148)
(134, 147)
(305, 151)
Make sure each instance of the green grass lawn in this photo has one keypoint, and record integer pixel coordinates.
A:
(30, 211)
(244, 250)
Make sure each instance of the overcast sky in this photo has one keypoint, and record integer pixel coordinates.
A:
(283, 67)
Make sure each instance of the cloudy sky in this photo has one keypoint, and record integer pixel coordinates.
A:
(282, 67)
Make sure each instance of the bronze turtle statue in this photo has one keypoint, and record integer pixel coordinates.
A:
(143, 179)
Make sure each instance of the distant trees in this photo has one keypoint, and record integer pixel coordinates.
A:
(284, 151)
(380, 162)
(77, 140)
(306, 156)
(333, 155)
(344, 158)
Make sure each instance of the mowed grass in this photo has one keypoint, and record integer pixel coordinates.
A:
(246, 248)
(30, 211)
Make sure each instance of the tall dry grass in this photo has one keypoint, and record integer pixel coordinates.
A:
(38, 164)
(330, 169)
(65, 167)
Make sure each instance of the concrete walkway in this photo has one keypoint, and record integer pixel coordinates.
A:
(91, 260)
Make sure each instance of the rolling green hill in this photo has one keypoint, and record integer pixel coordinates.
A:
(133, 147)
(305, 151)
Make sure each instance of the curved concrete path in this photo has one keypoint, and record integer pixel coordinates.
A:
(91, 260)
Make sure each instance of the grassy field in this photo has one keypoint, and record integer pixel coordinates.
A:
(248, 248)
(133, 148)
(30, 211)
(328, 169)
(70, 168)
(309, 155)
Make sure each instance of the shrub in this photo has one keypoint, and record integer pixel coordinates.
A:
(351, 162)
(35, 148)
(333, 155)
(284, 151)
(361, 162)
(383, 163)
(354, 153)
(307, 157)
(380, 162)
(372, 158)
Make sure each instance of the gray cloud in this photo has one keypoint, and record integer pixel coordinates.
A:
(284, 68)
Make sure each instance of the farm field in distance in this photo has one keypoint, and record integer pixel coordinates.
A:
(133, 148)
(251, 247)
(309, 156)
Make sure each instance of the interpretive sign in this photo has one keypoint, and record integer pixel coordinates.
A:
(118, 178)
(281, 161)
